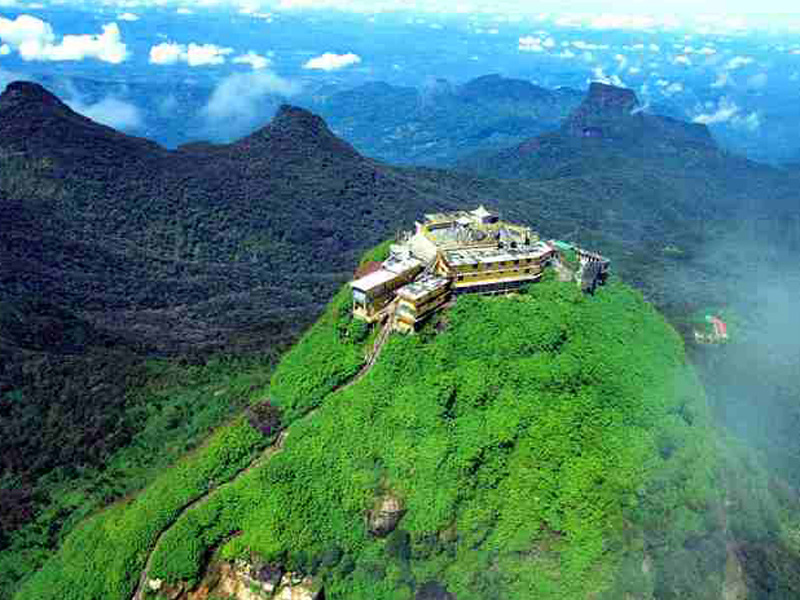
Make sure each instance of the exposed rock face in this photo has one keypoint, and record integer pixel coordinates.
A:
(383, 519)
(603, 106)
(243, 581)
(609, 112)
(294, 588)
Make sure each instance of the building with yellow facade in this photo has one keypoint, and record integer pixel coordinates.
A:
(372, 293)
(454, 253)
(418, 300)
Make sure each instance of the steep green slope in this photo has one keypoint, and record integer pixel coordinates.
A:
(542, 445)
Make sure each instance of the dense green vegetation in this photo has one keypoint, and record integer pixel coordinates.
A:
(102, 557)
(542, 444)
(168, 408)
(548, 439)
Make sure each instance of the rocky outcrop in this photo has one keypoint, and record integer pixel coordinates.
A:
(244, 581)
(614, 113)
(385, 516)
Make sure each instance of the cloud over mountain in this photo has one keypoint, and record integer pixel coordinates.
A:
(110, 111)
(238, 102)
(727, 111)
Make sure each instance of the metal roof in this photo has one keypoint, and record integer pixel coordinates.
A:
(398, 265)
(422, 287)
(471, 256)
(373, 280)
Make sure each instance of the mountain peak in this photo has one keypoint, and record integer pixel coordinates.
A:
(496, 86)
(606, 111)
(34, 121)
(20, 94)
(296, 130)
(293, 117)
(614, 113)
(611, 97)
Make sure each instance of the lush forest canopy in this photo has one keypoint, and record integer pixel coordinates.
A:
(548, 444)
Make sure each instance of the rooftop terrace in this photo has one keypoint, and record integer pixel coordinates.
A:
(471, 256)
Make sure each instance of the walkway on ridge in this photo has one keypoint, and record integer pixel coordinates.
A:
(371, 358)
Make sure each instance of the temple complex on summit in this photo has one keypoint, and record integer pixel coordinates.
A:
(464, 252)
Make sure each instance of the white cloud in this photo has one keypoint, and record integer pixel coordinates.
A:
(110, 111)
(194, 55)
(581, 45)
(184, 11)
(682, 60)
(634, 70)
(598, 74)
(654, 48)
(612, 21)
(566, 54)
(128, 17)
(669, 88)
(726, 110)
(5, 50)
(530, 44)
(609, 21)
(254, 60)
(35, 39)
(332, 62)
(237, 103)
(738, 62)
(166, 53)
(723, 79)
(751, 122)
(707, 51)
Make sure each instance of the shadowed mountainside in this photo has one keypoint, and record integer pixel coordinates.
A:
(142, 239)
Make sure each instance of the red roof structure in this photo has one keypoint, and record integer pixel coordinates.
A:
(720, 328)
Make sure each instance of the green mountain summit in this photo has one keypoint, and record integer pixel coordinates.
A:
(547, 444)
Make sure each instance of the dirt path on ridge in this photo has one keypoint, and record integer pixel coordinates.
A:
(267, 453)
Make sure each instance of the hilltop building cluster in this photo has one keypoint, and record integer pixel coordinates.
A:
(463, 252)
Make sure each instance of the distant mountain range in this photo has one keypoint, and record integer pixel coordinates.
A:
(443, 122)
